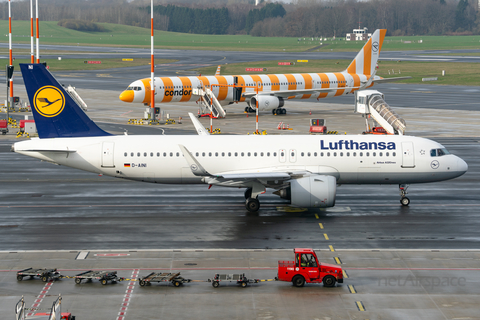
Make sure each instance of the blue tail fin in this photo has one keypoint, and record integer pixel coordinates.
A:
(56, 114)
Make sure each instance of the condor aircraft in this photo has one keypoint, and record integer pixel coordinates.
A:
(273, 89)
(304, 169)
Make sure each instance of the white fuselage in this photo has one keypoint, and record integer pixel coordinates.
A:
(352, 159)
(179, 89)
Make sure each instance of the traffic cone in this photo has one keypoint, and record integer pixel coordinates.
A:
(288, 127)
(198, 111)
(247, 114)
(283, 127)
(310, 111)
(279, 127)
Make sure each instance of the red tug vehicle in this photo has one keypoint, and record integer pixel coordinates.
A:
(306, 268)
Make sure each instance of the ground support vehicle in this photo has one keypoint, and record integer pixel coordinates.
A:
(103, 276)
(306, 268)
(3, 126)
(318, 126)
(174, 278)
(240, 279)
(44, 274)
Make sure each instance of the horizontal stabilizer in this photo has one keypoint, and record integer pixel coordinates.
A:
(384, 80)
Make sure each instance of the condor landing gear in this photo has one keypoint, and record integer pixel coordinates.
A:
(250, 110)
(279, 111)
(403, 191)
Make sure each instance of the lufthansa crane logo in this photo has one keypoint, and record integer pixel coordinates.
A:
(49, 101)
(375, 46)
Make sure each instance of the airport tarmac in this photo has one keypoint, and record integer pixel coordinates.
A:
(390, 284)
(420, 262)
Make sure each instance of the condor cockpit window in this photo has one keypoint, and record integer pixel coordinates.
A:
(134, 88)
(438, 152)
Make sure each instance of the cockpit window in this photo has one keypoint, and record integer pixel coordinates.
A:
(438, 152)
(134, 88)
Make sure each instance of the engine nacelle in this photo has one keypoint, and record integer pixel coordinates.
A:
(314, 191)
(266, 102)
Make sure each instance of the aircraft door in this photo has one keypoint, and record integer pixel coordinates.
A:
(408, 157)
(282, 155)
(292, 155)
(107, 155)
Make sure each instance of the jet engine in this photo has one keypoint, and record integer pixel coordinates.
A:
(312, 191)
(266, 102)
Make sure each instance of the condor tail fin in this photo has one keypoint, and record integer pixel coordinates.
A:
(366, 59)
(56, 114)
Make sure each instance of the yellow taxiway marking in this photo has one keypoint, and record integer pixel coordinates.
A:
(337, 260)
(331, 248)
(345, 274)
(316, 216)
(325, 235)
(321, 225)
(360, 306)
(352, 289)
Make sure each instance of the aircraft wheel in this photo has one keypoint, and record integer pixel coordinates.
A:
(247, 109)
(252, 204)
(284, 111)
(405, 201)
(248, 193)
(274, 112)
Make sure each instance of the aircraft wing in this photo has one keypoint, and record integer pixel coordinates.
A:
(240, 178)
(384, 80)
(291, 93)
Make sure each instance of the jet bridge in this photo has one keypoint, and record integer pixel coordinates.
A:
(372, 102)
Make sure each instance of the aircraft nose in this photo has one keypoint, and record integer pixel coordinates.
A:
(127, 96)
(462, 166)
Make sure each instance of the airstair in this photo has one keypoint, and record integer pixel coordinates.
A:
(372, 102)
(210, 102)
(74, 95)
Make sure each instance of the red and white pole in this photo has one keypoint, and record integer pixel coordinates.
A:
(38, 41)
(32, 50)
(11, 58)
(152, 84)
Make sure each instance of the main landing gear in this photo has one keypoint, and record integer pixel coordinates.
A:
(279, 111)
(403, 191)
(251, 204)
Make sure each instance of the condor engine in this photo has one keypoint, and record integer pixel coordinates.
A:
(266, 102)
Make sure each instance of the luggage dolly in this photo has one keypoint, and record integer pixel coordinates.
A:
(240, 279)
(174, 278)
(103, 276)
(44, 274)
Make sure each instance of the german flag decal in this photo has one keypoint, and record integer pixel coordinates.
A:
(126, 165)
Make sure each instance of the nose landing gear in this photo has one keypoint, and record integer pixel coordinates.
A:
(403, 191)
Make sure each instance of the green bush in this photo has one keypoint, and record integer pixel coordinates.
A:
(81, 25)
